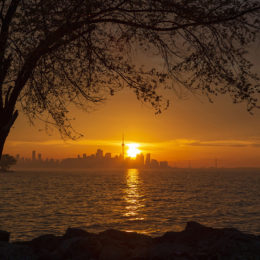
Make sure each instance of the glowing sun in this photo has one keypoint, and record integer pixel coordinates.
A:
(133, 150)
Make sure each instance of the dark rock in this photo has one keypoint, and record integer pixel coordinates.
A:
(75, 232)
(194, 226)
(168, 236)
(64, 247)
(204, 242)
(85, 248)
(79, 248)
(114, 252)
(161, 251)
(4, 236)
(124, 245)
(196, 232)
(195, 242)
(130, 239)
(192, 233)
(16, 252)
(140, 253)
(47, 242)
(235, 248)
(43, 255)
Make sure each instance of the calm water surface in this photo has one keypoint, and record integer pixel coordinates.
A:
(151, 202)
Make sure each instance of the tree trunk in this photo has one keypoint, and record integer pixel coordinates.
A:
(6, 122)
(2, 143)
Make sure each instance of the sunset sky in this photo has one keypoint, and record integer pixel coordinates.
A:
(191, 132)
(192, 129)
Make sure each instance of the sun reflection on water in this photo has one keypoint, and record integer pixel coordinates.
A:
(132, 195)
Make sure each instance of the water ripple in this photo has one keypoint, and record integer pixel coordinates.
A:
(151, 202)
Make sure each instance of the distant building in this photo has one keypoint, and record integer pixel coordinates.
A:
(164, 164)
(154, 163)
(99, 154)
(140, 160)
(39, 156)
(108, 156)
(33, 155)
(78, 156)
(148, 160)
(84, 156)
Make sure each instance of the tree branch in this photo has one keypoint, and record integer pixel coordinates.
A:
(177, 26)
(5, 63)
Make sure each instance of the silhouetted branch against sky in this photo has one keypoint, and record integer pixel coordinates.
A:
(53, 53)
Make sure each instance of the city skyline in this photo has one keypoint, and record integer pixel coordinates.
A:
(192, 130)
(97, 160)
(38, 157)
(130, 158)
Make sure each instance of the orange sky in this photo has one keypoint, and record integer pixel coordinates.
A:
(192, 129)
(191, 132)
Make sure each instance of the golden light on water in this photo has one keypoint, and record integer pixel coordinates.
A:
(133, 150)
(132, 195)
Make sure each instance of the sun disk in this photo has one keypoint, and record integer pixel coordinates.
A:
(133, 150)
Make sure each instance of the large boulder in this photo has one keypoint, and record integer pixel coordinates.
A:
(195, 242)
(116, 251)
(4, 236)
(204, 242)
(81, 248)
(47, 242)
(10, 251)
(75, 232)
(129, 239)
(123, 245)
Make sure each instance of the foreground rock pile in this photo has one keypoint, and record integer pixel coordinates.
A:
(195, 242)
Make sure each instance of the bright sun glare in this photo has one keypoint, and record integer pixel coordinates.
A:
(133, 150)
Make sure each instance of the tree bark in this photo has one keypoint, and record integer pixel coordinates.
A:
(2, 143)
(6, 122)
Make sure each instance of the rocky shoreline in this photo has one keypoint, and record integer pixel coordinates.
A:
(195, 242)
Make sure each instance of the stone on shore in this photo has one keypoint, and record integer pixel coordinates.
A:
(4, 236)
(195, 242)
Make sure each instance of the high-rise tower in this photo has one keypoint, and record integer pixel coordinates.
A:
(33, 155)
(123, 147)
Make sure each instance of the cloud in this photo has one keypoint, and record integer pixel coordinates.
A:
(169, 144)
(201, 143)
(59, 142)
(224, 143)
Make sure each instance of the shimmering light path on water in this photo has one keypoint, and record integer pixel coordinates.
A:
(151, 202)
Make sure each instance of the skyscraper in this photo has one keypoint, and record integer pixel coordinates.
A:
(108, 156)
(140, 160)
(99, 154)
(148, 160)
(123, 147)
(33, 155)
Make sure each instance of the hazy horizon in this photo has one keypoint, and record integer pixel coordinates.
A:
(190, 130)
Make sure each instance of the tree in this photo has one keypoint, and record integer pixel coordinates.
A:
(6, 162)
(53, 53)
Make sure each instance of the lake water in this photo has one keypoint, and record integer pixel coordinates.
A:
(151, 202)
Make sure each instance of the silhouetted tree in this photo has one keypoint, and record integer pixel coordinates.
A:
(6, 162)
(53, 53)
